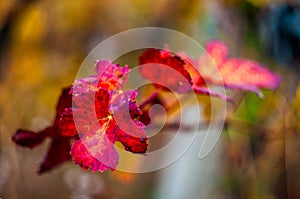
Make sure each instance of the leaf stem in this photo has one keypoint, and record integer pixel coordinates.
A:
(149, 100)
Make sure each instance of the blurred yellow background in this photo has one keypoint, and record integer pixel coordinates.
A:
(42, 44)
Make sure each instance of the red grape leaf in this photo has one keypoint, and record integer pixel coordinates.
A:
(108, 76)
(67, 127)
(92, 110)
(58, 151)
(165, 70)
(95, 113)
(185, 78)
(96, 153)
(237, 73)
(111, 76)
(29, 139)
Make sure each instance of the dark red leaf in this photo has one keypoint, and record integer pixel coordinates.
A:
(165, 70)
(58, 151)
(67, 126)
(28, 138)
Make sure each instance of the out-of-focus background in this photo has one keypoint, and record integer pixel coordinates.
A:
(43, 42)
